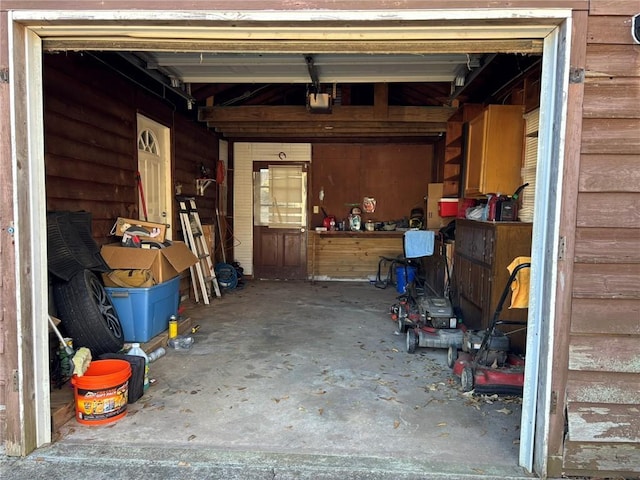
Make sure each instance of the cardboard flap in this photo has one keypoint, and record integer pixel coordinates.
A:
(179, 256)
(119, 257)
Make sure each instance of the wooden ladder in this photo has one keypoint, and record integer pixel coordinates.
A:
(203, 274)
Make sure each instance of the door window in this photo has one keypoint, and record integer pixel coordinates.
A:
(280, 196)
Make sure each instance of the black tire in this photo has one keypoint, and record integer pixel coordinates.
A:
(87, 314)
(466, 379)
(412, 340)
(452, 356)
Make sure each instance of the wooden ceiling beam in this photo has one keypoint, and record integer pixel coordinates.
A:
(328, 124)
(263, 113)
(328, 134)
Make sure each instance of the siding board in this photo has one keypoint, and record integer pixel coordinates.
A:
(610, 29)
(607, 245)
(593, 316)
(604, 354)
(611, 136)
(604, 423)
(610, 173)
(602, 460)
(613, 7)
(612, 61)
(610, 210)
(611, 98)
(606, 281)
(603, 387)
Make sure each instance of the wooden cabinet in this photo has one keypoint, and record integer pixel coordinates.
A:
(493, 156)
(482, 253)
(454, 149)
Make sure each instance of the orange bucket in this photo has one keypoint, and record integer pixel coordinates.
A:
(101, 394)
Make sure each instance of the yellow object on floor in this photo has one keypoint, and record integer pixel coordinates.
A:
(520, 285)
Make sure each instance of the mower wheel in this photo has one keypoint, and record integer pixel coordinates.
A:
(412, 340)
(452, 356)
(466, 379)
(87, 314)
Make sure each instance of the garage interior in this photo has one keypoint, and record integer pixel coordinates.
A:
(376, 384)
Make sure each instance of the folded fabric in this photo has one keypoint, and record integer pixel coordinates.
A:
(418, 243)
(520, 284)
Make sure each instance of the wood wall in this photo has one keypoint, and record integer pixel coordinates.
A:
(603, 379)
(90, 142)
(396, 175)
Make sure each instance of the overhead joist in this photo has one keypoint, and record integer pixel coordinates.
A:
(329, 134)
(340, 113)
(328, 125)
(524, 46)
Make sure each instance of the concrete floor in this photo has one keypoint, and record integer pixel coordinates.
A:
(295, 380)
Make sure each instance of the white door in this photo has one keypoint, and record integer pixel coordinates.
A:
(154, 166)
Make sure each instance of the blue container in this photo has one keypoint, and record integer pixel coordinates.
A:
(145, 312)
(404, 275)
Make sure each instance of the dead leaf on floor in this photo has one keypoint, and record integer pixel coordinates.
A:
(320, 411)
(289, 427)
(395, 350)
(302, 409)
(389, 399)
(191, 437)
(242, 388)
(442, 424)
(182, 463)
(444, 434)
(277, 400)
(478, 470)
(396, 424)
(516, 441)
(505, 410)
(320, 392)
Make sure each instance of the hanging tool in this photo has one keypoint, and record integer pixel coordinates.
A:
(141, 191)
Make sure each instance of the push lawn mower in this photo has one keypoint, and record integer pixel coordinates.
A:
(427, 320)
(485, 363)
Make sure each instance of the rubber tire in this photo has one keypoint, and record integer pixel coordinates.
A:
(466, 379)
(87, 314)
(452, 356)
(412, 340)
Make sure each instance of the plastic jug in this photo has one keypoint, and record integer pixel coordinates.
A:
(136, 350)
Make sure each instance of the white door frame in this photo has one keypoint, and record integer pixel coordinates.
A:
(158, 191)
(27, 145)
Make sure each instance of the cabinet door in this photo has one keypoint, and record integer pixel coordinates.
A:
(474, 159)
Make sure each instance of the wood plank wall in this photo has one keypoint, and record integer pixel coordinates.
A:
(396, 175)
(603, 384)
(90, 142)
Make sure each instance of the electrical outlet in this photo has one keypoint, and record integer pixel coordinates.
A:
(316, 209)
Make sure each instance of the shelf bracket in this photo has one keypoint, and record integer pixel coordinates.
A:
(202, 184)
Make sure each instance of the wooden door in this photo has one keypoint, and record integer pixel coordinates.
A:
(154, 165)
(280, 221)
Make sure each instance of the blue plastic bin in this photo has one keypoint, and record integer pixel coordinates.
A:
(145, 312)
(404, 275)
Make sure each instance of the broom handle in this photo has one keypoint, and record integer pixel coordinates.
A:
(67, 348)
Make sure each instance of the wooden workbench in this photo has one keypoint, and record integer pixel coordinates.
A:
(335, 255)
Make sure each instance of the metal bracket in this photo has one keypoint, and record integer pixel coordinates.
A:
(576, 75)
(562, 247)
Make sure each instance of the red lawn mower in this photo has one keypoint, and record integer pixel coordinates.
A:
(485, 363)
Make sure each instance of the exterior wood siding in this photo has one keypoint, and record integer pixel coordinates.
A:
(91, 149)
(603, 382)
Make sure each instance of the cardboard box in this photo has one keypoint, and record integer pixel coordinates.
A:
(144, 312)
(433, 218)
(164, 263)
(157, 231)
